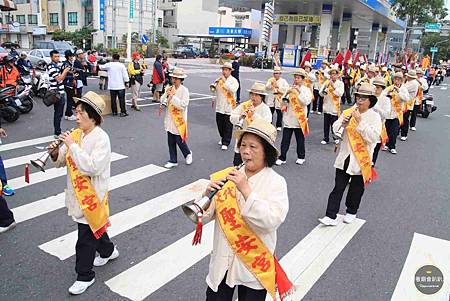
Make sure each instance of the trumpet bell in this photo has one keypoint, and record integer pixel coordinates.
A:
(40, 162)
(193, 208)
(212, 88)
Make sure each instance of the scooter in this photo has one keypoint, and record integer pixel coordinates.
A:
(7, 110)
(427, 106)
(41, 80)
(24, 94)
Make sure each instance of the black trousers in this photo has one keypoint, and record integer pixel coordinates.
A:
(286, 142)
(70, 93)
(85, 249)
(392, 128)
(225, 128)
(317, 102)
(279, 116)
(225, 293)
(6, 215)
(347, 95)
(238, 92)
(414, 112)
(121, 95)
(354, 194)
(375, 153)
(173, 141)
(58, 114)
(405, 127)
(328, 121)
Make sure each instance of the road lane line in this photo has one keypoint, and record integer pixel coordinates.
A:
(13, 162)
(25, 143)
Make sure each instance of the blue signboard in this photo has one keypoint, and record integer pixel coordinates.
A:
(144, 39)
(102, 15)
(384, 9)
(230, 31)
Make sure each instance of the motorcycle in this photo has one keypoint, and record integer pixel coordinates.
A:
(7, 110)
(24, 94)
(41, 80)
(427, 106)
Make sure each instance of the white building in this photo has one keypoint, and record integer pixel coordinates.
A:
(241, 18)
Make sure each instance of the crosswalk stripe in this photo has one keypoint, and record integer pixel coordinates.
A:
(49, 204)
(49, 174)
(141, 280)
(63, 247)
(25, 143)
(17, 161)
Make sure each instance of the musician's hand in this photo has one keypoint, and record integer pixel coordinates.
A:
(3, 133)
(213, 186)
(357, 115)
(67, 138)
(240, 180)
(346, 120)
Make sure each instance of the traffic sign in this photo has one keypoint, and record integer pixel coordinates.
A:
(144, 39)
(432, 27)
(433, 49)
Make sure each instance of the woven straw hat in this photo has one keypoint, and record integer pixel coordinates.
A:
(263, 129)
(94, 100)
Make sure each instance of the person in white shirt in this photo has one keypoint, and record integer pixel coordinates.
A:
(225, 103)
(246, 112)
(291, 118)
(263, 201)
(91, 156)
(423, 88)
(368, 127)
(276, 86)
(176, 100)
(331, 108)
(117, 81)
(398, 95)
(412, 85)
(382, 107)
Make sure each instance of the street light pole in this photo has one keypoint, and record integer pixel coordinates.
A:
(437, 43)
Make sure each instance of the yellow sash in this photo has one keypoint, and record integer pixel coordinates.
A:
(359, 148)
(309, 84)
(356, 76)
(397, 106)
(336, 102)
(248, 113)
(178, 119)
(95, 211)
(277, 96)
(227, 94)
(299, 112)
(245, 244)
(420, 95)
(388, 80)
(384, 135)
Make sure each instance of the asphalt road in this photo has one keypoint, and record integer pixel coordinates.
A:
(411, 196)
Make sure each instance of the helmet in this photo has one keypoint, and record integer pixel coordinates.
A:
(42, 64)
(9, 58)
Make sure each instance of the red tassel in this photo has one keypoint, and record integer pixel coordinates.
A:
(27, 173)
(98, 234)
(284, 285)
(212, 103)
(374, 175)
(198, 231)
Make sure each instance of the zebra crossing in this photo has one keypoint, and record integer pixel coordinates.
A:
(304, 263)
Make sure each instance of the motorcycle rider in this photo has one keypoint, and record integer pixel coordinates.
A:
(23, 63)
(9, 73)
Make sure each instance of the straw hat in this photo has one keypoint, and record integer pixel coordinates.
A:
(379, 81)
(94, 100)
(412, 74)
(398, 75)
(419, 71)
(300, 72)
(178, 73)
(227, 65)
(373, 69)
(384, 69)
(334, 68)
(325, 62)
(308, 64)
(263, 129)
(366, 89)
(258, 88)
(277, 69)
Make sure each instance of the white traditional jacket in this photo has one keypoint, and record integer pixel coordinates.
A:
(328, 105)
(289, 118)
(283, 86)
(180, 101)
(222, 104)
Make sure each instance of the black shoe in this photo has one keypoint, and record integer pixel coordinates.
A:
(114, 113)
(123, 114)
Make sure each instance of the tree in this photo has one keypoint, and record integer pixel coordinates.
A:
(75, 37)
(443, 43)
(161, 39)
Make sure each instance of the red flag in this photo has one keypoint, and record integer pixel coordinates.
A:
(338, 59)
(365, 59)
(348, 56)
(306, 58)
(27, 173)
(356, 58)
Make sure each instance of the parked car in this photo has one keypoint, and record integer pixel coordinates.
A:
(204, 53)
(3, 53)
(184, 52)
(61, 46)
(37, 55)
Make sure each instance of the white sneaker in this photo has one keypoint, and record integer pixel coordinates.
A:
(79, 287)
(300, 161)
(323, 142)
(328, 221)
(393, 151)
(413, 129)
(319, 113)
(170, 165)
(220, 142)
(385, 148)
(65, 117)
(99, 261)
(349, 218)
(4, 229)
(403, 138)
(224, 147)
(71, 118)
(279, 162)
(279, 129)
(189, 159)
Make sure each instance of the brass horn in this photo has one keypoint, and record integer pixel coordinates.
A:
(195, 208)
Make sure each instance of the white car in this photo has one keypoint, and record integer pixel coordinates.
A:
(37, 55)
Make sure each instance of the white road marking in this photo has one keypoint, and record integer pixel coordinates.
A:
(24, 143)
(447, 115)
(52, 203)
(38, 177)
(21, 160)
(63, 247)
(424, 250)
(443, 88)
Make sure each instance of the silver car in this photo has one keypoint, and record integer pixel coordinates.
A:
(37, 55)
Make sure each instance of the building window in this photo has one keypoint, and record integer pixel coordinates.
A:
(238, 23)
(72, 18)
(160, 22)
(20, 19)
(9, 19)
(22, 1)
(88, 18)
(32, 19)
(54, 19)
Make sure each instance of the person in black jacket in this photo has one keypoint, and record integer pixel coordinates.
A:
(23, 63)
(81, 65)
(6, 216)
(235, 73)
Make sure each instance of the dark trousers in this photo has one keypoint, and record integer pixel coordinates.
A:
(317, 102)
(347, 95)
(354, 194)
(414, 112)
(392, 127)
(225, 128)
(405, 127)
(238, 92)
(6, 215)
(58, 114)
(70, 103)
(121, 95)
(279, 116)
(225, 293)
(286, 142)
(328, 121)
(85, 249)
(375, 153)
(237, 160)
(3, 177)
(173, 141)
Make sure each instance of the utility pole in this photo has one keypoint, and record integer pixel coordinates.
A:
(113, 19)
(130, 23)
(154, 2)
